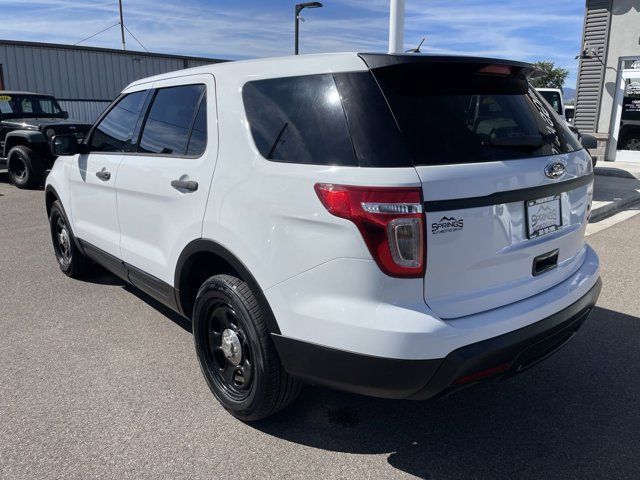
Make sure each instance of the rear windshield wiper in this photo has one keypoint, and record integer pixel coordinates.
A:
(528, 142)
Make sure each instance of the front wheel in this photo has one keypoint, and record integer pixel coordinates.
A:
(71, 260)
(26, 167)
(236, 353)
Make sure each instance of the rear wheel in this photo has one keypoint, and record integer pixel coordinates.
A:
(70, 259)
(25, 166)
(236, 353)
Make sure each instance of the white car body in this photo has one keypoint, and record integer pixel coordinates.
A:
(312, 268)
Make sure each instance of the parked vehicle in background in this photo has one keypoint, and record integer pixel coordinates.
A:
(553, 96)
(27, 122)
(316, 225)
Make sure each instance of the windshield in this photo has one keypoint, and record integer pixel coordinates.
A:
(453, 113)
(29, 106)
(553, 99)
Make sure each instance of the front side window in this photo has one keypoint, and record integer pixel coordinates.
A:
(171, 116)
(114, 132)
(299, 120)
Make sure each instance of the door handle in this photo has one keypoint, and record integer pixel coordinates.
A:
(103, 174)
(190, 185)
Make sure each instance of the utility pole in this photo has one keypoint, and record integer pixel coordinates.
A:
(396, 26)
(124, 45)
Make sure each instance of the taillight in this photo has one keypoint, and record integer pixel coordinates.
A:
(390, 220)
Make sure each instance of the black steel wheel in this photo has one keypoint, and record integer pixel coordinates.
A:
(25, 167)
(70, 259)
(228, 351)
(236, 353)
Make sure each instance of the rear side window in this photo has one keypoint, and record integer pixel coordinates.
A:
(170, 119)
(198, 139)
(452, 113)
(114, 132)
(299, 120)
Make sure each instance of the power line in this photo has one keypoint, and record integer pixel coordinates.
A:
(98, 33)
(134, 37)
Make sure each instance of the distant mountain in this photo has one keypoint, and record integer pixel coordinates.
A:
(568, 94)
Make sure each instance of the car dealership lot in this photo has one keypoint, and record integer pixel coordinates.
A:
(95, 382)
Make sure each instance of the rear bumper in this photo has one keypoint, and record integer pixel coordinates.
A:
(498, 357)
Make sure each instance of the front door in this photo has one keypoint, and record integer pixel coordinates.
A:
(627, 120)
(93, 176)
(163, 188)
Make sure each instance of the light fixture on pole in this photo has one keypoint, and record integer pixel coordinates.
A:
(299, 8)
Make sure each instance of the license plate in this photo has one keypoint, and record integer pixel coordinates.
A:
(543, 216)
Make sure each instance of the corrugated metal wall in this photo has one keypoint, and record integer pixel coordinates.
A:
(81, 73)
(85, 112)
(591, 73)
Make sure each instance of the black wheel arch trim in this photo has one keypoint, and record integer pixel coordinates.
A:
(203, 245)
(31, 136)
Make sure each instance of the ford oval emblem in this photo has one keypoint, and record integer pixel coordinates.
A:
(555, 170)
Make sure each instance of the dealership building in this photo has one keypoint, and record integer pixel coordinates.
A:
(608, 93)
(83, 79)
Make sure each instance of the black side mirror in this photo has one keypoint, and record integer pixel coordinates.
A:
(64, 145)
(65, 114)
(588, 141)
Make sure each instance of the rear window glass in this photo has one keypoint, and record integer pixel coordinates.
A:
(299, 120)
(450, 113)
(172, 113)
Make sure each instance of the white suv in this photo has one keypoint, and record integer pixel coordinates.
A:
(392, 225)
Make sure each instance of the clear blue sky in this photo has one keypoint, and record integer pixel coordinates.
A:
(517, 29)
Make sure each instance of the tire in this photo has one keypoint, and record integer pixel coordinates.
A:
(245, 374)
(631, 142)
(71, 260)
(26, 167)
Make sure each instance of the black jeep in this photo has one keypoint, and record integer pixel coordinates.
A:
(27, 122)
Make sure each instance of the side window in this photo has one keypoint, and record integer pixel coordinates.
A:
(27, 106)
(166, 129)
(299, 120)
(113, 133)
(198, 139)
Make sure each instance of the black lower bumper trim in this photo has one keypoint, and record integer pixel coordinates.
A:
(506, 355)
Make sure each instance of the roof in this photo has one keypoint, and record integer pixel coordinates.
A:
(292, 65)
(135, 53)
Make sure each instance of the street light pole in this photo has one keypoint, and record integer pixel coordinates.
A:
(396, 26)
(299, 8)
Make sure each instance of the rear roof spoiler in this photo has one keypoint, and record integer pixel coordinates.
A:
(381, 60)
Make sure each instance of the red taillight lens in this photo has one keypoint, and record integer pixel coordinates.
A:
(390, 220)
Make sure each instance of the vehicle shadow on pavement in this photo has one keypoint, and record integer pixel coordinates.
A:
(575, 415)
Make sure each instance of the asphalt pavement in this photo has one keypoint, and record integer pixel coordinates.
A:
(99, 381)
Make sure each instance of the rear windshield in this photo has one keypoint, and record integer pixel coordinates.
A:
(453, 113)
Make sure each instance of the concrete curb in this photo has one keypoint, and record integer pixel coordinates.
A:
(617, 172)
(611, 208)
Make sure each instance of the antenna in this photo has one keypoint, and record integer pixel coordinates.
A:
(417, 49)
(122, 27)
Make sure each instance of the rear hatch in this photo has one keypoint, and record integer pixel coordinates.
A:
(507, 187)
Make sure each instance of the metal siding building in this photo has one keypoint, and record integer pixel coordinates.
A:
(83, 79)
(608, 77)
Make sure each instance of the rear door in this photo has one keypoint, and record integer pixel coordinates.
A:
(507, 187)
(163, 188)
(93, 175)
